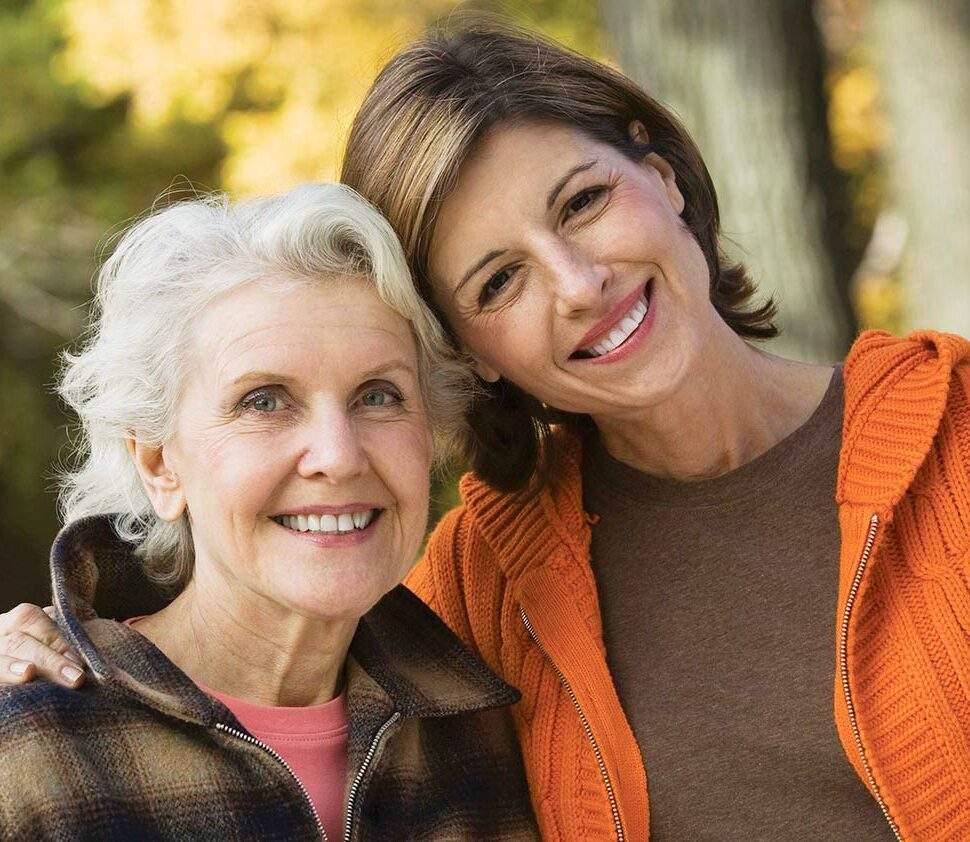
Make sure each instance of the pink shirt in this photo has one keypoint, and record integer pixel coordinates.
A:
(312, 740)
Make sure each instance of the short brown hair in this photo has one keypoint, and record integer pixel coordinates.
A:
(424, 115)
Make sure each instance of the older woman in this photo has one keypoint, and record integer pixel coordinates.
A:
(260, 397)
(718, 542)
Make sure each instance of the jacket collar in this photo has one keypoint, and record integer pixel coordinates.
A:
(401, 648)
(895, 395)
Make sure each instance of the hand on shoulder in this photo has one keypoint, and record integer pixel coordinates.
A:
(32, 647)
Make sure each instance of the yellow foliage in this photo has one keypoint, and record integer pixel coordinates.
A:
(859, 128)
(280, 78)
(879, 302)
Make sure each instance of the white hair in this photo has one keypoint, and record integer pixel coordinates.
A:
(125, 379)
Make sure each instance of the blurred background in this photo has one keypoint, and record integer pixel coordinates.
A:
(837, 132)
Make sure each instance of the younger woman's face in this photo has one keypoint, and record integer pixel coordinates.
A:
(564, 266)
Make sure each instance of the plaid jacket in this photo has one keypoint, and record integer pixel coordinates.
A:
(141, 753)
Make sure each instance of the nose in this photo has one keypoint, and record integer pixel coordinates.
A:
(579, 280)
(332, 449)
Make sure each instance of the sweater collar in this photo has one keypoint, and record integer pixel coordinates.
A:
(895, 395)
(401, 648)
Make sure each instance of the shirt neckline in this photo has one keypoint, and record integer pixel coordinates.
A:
(609, 478)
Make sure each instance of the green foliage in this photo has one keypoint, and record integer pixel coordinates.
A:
(71, 169)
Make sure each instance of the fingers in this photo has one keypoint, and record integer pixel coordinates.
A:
(39, 624)
(19, 648)
(32, 620)
(15, 671)
(28, 635)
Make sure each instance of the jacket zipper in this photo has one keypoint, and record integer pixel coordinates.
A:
(614, 808)
(275, 754)
(359, 777)
(844, 671)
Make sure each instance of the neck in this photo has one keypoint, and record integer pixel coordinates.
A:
(241, 646)
(732, 405)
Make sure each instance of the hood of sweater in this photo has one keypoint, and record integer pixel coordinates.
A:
(896, 391)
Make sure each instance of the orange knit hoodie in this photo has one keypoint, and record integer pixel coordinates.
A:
(514, 581)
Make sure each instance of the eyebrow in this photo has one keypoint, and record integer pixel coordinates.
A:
(488, 258)
(285, 380)
(558, 186)
(550, 200)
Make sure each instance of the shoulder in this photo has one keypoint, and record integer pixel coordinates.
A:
(58, 714)
(877, 354)
(28, 705)
(888, 373)
(41, 727)
(480, 551)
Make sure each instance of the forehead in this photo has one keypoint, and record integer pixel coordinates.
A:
(543, 143)
(333, 322)
(486, 203)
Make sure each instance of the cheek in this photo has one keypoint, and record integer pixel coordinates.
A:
(400, 454)
(515, 337)
(639, 226)
(233, 475)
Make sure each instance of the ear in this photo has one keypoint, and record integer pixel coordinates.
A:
(160, 482)
(638, 133)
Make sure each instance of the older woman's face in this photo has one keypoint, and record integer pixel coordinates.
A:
(302, 447)
(564, 266)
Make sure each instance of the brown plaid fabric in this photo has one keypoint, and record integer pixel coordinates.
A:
(141, 753)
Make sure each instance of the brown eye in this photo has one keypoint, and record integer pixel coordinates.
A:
(582, 200)
(494, 285)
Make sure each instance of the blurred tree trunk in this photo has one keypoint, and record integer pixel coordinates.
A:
(924, 59)
(747, 78)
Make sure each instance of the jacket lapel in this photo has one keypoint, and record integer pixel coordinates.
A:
(544, 541)
(895, 396)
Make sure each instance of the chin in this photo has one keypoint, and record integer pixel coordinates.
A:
(335, 598)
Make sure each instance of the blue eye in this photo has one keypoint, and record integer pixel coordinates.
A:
(262, 401)
(380, 397)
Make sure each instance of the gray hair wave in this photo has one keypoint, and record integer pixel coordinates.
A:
(125, 377)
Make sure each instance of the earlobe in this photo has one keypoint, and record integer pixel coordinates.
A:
(160, 482)
(673, 191)
(639, 134)
(486, 372)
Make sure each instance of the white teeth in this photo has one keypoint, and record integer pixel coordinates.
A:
(629, 323)
(327, 524)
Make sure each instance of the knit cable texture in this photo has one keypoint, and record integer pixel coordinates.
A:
(905, 458)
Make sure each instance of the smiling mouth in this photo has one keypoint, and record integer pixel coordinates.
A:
(622, 330)
(328, 524)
